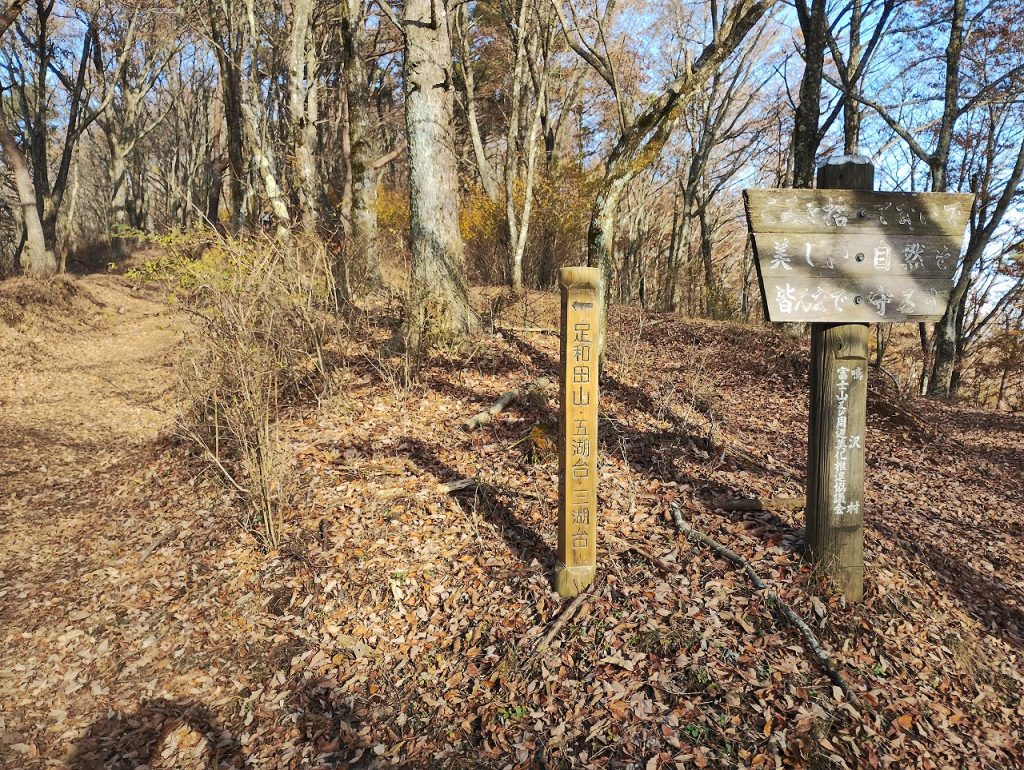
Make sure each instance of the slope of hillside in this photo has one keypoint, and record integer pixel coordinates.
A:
(406, 625)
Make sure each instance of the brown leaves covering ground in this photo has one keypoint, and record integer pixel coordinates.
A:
(402, 625)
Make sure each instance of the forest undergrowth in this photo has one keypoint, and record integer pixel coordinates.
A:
(400, 623)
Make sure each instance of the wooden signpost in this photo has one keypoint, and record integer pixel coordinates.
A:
(577, 456)
(842, 257)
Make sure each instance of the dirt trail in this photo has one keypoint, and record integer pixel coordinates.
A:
(83, 396)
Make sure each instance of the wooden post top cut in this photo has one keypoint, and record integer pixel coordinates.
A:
(579, 278)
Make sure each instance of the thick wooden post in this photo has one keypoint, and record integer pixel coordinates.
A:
(577, 455)
(835, 439)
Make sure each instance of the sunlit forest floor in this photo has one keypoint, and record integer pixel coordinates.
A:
(402, 624)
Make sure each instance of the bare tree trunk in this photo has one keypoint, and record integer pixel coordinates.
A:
(117, 173)
(945, 335)
(37, 259)
(302, 107)
(851, 107)
(710, 290)
(519, 247)
(438, 304)
(259, 144)
(264, 161)
(364, 248)
(949, 330)
(483, 165)
(10, 13)
(808, 111)
(229, 59)
(518, 33)
(518, 222)
(217, 167)
(951, 93)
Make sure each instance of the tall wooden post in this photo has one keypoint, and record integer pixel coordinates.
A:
(577, 455)
(835, 438)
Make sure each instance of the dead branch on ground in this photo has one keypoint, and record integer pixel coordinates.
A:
(487, 415)
(813, 643)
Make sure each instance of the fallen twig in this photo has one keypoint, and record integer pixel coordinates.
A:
(559, 624)
(459, 485)
(526, 329)
(812, 641)
(162, 539)
(657, 561)
(759, 504)
(487, 415)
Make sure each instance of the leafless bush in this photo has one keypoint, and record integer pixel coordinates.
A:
(262, 324)
(627, 348)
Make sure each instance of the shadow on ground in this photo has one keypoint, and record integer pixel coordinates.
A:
(142, 738)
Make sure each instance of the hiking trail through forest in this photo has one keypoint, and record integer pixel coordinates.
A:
(405, 620)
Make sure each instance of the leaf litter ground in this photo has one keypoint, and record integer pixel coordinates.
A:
(403, 625)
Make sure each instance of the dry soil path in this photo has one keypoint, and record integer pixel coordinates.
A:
(84, 395)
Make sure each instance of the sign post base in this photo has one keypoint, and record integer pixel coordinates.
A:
(570, 581)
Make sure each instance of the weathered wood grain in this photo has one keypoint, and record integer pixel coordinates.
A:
(855, 211)
(855, 256)
(875, 255)
(835, 453)
(854, 300)
(836, 429)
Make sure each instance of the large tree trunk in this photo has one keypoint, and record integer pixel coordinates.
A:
(945, 344)
(946, 335)
(37, 259)
(601, 238)
(51, 210)
(438, 305)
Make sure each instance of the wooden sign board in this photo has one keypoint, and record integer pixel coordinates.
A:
(851, 256)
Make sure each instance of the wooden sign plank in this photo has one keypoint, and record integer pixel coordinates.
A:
(577, 456)
(855, 300)
(855, 211)
(856, 256)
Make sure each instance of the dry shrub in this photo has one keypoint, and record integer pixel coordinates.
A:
(263, 320)
(558, 228)
(483, 228)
